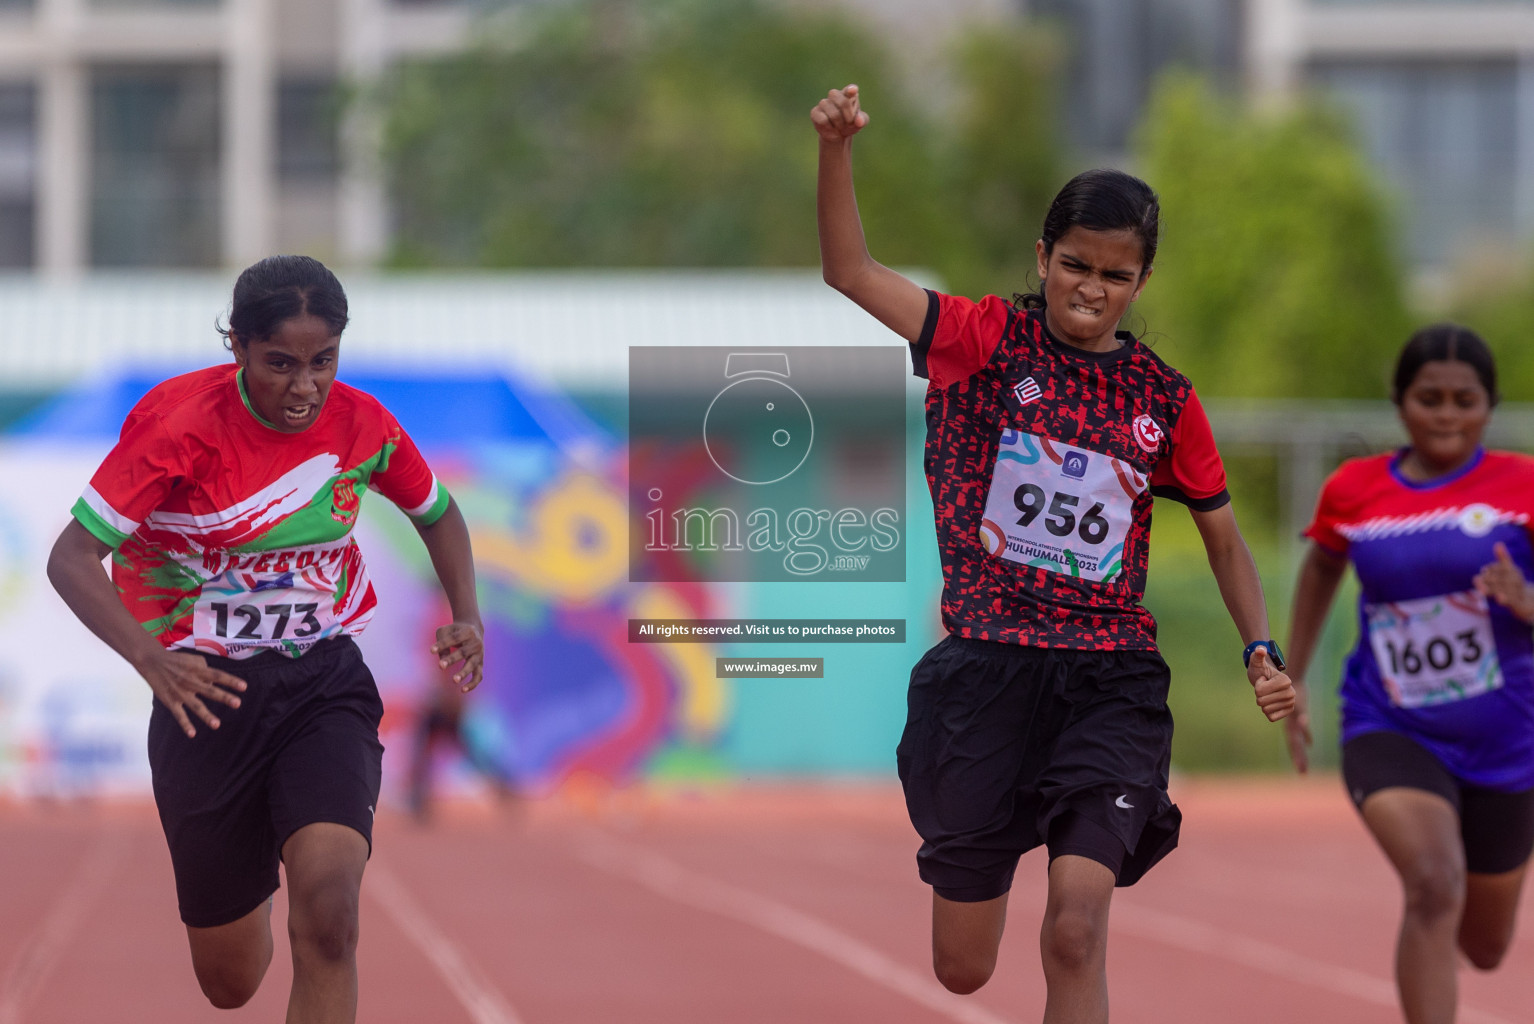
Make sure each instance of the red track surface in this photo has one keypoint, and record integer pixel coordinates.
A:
(741, 905)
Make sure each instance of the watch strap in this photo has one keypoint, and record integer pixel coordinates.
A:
(1273, 652)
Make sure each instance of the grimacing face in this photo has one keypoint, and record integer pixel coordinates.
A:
(1445, 410)
(288, 375)
(1089, 279)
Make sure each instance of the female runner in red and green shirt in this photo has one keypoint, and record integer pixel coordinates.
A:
(227, 507)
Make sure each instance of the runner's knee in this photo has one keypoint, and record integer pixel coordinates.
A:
(964, 958)
(1484, 955)
(323, 923)
(1434, 888)
(1485, 952)
(965, 938)
(1073, 939)
(230, 961)
(230, 986)
(962, 975)
(224, 995)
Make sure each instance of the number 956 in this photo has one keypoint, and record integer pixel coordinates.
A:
(1060, 519)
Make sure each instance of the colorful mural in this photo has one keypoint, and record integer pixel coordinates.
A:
(565, 694)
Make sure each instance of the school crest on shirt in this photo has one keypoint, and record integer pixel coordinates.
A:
(344, 501)
(1479, 519)
(1148, 433)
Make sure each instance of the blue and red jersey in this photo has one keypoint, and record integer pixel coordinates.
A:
(1043, 461)
(1436, 661)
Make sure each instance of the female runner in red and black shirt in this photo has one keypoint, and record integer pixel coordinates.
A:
(1042, 717)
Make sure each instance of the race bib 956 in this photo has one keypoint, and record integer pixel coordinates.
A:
(1064, 508)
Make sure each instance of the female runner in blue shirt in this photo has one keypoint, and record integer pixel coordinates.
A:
(1438, 694)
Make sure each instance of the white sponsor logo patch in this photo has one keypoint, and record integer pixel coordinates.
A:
(1027, 390)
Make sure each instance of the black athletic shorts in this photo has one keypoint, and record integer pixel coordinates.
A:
(1497, 827)
(301, 748)
(1001, 741)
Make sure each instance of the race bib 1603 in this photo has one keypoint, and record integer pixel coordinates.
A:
(1435, 649)
(1066, 509)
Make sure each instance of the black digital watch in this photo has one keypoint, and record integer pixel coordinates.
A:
(1273, 652)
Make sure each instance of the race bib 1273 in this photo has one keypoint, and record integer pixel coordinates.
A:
(1064, 508)
(1435, 649)
(284, 601)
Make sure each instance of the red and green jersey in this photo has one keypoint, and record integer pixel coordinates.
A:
(232, 537)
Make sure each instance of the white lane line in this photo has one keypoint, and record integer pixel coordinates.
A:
(41, 952)
(1209, 940)
(478, 995)
(667, 878)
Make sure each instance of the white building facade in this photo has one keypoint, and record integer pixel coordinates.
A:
(196, 133)
(1443, 97)
(207, 133)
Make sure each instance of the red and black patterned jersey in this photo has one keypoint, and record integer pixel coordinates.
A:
(1043, 460)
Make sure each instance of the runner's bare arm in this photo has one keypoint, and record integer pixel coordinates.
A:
(181, 681)
(894, 300)
(1320, 574)
(463, 639)
(1235, 570)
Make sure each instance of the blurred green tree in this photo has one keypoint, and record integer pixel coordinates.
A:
(1500, 308)
(662, 133)
(675, 133)
(1276, 274)
(1004, 157)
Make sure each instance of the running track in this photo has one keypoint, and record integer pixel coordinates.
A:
(738, 905)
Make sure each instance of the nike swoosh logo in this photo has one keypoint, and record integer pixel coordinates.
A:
(1121, 802)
